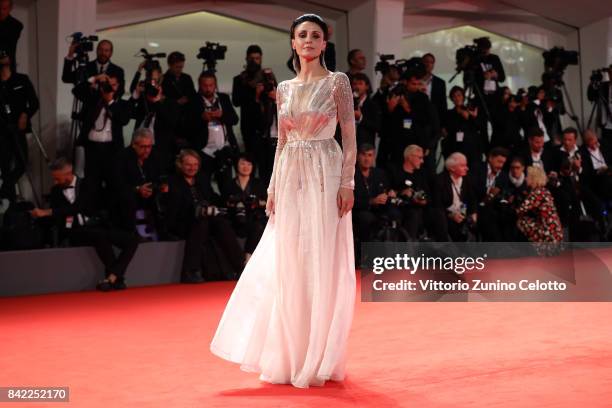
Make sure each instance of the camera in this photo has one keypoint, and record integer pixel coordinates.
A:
(106, 87)
(600, 75)
(84, 43)
(151, 64)
(383, 64)
(210, 53)
(557, 59)
(419, 195)
(204, 209)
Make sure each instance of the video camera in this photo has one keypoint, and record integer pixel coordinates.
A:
(557, 59)
(84, 44)
(210, 53)
(151, 64)
(599, 76)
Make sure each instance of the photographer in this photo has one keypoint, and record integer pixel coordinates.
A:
(455, 200)
(513, 194)
(596, 161)
(10, 31)
(267, 127)
(74, 209)
(104, 116)
(246, 198)
(411, 117)
(390, 78)
(410, 184)
(371, 197)
(600, 92)
(461, 129)
(210, 121)
(101, 65)
(367, 111)
(540, 114)
(507, 126)
(538, 154)
(435, 87)
(356, 61)
(487, 69)
(245, 94)
(19, 103)
(177, 85)
(190, 216)
(490, 183)
(161, 115)
(138, 177)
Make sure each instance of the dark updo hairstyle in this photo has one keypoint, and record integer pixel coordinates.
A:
(313, 18)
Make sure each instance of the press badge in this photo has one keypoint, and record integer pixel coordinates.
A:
(69, 221)
(459, 136)
(407, 123)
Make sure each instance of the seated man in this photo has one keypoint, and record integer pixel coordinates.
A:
(75, 210)
(410, 184)
(455, 199)
(139, 179)
(489, 184)
(191, 215)
(246, 195)
(596, 161)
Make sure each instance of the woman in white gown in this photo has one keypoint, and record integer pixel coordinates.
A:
(290, 313)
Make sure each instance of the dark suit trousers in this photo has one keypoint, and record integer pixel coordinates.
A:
(103, 240)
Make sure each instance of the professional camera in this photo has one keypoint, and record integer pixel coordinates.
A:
(599, 76)
(398, 201)
(204, 209)
(225, 158)
(383, 65)
(419, 195)
(243, 206)
(106, 87)
(84, 44)
(557, 59)
(210, 53)
(151, 64)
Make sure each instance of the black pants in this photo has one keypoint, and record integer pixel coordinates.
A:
(198, 239)
(252, 229)
(99, 158)
(13, 161)
(103, 240)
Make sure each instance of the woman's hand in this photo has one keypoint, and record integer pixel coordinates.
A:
(270, 205)
(345, 200)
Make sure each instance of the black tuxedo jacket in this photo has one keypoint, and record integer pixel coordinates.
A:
(120, 112)
(438, 96)
(69, 75)
(198, 128)
(370, 122)
(479, 178)
(549, 157)
(377, 183)
(85, 203)
(587, 159)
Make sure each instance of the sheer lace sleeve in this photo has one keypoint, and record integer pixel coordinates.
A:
(282, 136)
(346, 117)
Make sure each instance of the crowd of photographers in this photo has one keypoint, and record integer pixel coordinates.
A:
(510, 171)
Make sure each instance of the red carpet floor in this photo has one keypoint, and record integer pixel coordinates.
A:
(148, 347)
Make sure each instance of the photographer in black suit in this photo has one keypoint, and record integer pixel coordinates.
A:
(104, 116)
(210, 121)
(191, 216)
(139, 177)
(10, 31)
(75, 210)
(538, 154)
(409, 182)
(367, 111)
(177, 85)
(101, 65)
(245, 197)
(490, 183)
(161, 115)
(488, 69)
(244, 95)
(435, 87)
(600, 91)
(596, 162)
(19, 103)
(461, 129)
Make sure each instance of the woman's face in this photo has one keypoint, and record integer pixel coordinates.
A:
(245, 167)
(457, 98)
(308, 40)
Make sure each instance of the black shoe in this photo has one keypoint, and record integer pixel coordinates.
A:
(119, 284)
(105, 286)
(192, 277)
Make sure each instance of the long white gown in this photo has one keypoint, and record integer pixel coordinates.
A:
(290, 313)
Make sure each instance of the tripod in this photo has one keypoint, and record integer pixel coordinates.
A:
(598, 103)
(80, 67)
(570, 111)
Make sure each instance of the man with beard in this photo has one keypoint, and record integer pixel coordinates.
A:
(101, 65)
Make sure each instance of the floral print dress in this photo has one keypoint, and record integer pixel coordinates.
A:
(538, 219)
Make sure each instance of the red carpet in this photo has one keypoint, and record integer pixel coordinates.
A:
(148, 347)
